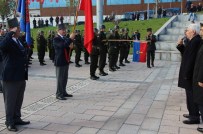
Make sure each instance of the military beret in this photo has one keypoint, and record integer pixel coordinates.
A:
(149, 29)
(12, 22)
(61, 27)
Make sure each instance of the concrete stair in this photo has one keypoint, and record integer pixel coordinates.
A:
(168, 36)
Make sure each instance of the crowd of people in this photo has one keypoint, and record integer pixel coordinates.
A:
(192, 9)
(16, 57)
(191, 72)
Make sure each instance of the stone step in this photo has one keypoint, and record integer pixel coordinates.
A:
(168, 55)
(181, 24)
(166, 46)
(185, 17)
(171, 38)
(174, 30)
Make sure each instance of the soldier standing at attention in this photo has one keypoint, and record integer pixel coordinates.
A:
(102, 51)
(123, 46)
(94, 56)
(127, 49)
(78, 47)
(41, 47)
(117, 48)
(50, 44)
(151, 47)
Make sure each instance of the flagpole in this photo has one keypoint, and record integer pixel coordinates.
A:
(76, 16)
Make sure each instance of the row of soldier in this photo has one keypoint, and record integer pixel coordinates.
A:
(40, 21)
(102, 48)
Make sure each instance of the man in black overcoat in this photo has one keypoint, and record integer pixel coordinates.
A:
(62, 47)
(14, 74)
(198, 78)
(189, 53)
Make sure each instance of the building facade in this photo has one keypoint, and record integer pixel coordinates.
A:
(118, 7)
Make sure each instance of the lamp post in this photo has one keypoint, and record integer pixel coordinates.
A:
(99, 7)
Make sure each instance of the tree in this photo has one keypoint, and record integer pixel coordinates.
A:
(8, 8)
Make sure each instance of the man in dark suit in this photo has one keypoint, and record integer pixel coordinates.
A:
(14, 74)
(189, 53)
(62, 47)
(151, 47)
(198, 79)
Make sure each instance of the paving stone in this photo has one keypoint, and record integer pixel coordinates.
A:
(86, 130)
(100, 118)
(86, 123)
(113, 109)
(141, 109)
(57, 120)
(141, 131)
(106, 132)
(35, 117)
(169, 129)
(62, 128)
(158, 104)
(99, 112)
(113, 124)
(188, 131)
(128, 129)
(151, 124)
(36, 125)
(135, 119)
(36, 131)
(155, 113)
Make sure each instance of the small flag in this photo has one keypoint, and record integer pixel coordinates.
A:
(25, 19)
(139, 51)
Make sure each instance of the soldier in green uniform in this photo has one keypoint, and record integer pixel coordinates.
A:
(127, 45)
(102, 50)
(41, 47)
(151, 47)
(112, 51)
(50, 44)
(94, 55)
(122, 47)
(78, 47)
(117, 48)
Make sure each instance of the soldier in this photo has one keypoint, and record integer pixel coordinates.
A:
(41, 47)
(112, 51)
(102, 51)
(50, 45)
(47, 22)
(78, 48)
(51, 20)
(117, 48)
(127, 50)
(151, 47)
(94, 56)
(122, 47)
(34, 23)
(57, 20)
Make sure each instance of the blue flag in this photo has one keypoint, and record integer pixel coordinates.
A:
(24, 19)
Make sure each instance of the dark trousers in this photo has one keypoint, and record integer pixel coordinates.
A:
(41, 53)
(86, 55)
(122, 53)
(61, 79)
(201, 111)
(13, 92)
(150, 57)
(127, 52)
(77, 55)
(191, 106)
(102, 59)
(93, 65)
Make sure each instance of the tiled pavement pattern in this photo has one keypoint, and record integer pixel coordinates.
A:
(133, 100)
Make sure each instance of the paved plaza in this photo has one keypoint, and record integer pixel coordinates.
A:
(133, 100)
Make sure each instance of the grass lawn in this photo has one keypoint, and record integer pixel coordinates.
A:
(155, 24)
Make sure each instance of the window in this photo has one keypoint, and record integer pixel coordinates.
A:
(123, 2)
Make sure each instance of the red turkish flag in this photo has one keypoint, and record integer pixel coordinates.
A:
(86, 6)
(143, 51)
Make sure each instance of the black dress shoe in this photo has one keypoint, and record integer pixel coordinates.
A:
(112, 69)
(80, 60)
(117, 67)
(42, 64)
(87, 62)
(186, 115)
(94, 77)
(21, 122)
(121, 64)
(70, 62)
(148, 66)
(11, 128)
(126, 61)
(78, 65)
(200, 129)
(68, 95)
(191, 121)
(60, 98)
(31, 58)
(1, 91)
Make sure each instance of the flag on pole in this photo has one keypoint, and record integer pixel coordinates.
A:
(25, 19)
(139, 51)
(86, 6)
